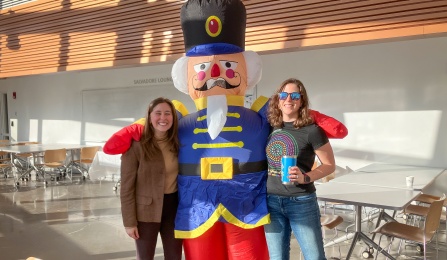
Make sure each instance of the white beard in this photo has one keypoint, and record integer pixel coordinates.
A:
(216, 114)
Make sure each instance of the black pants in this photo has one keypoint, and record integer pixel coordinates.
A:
(148, 232)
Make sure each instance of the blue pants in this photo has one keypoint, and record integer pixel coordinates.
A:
(300, 215)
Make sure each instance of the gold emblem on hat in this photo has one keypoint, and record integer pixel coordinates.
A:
(213, 26)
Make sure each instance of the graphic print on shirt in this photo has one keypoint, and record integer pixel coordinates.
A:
(280, 143)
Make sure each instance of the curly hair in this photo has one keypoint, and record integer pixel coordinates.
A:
(274, 113)
(148, 140)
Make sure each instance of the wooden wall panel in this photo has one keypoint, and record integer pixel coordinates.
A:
(47, 36)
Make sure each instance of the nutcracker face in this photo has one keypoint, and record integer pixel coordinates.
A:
(217, 75)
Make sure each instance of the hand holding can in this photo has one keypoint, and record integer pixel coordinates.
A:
(287, 161)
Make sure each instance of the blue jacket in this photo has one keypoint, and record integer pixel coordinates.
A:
(223, 179)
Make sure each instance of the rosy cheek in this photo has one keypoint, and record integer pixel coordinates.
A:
(201, 75)
(230, 73)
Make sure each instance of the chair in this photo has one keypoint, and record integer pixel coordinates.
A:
(54, 159)
(5, 164)
(22, 162)
(330, 222)
(86, 157)
(4, 142)
(419, 211)
(421, 235)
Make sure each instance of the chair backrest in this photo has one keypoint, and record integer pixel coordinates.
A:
(433, 218)
(57, 155)
(26, 143)
(4, 157)
(89, 152)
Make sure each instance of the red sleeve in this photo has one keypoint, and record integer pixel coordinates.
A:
(120, 141)
(331, 126)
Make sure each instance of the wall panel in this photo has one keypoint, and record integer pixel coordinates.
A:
(47, 36)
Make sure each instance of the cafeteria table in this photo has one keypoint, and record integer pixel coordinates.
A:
(423, 176)
(380, 186)
(35, 149)
(365, 196)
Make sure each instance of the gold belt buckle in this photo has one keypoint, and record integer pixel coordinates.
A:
(216, 168)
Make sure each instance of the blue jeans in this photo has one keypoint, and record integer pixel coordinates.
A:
(300, 215)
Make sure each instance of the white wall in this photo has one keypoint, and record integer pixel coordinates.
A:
(392, 97)
(49, 108)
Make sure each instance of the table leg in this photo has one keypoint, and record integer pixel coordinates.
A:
(350, 235)
(20, 173)
(40, 172)
(70, 165)
(361, 236)
(340, 239)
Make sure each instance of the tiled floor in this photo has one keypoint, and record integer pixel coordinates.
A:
(83, 221)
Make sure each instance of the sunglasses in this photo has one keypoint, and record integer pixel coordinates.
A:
(293, 95)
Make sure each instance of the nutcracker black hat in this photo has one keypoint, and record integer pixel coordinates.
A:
(213, 27)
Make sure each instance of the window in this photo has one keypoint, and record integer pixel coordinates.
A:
(5, 4)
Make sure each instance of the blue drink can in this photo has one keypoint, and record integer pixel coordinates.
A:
(287, 161)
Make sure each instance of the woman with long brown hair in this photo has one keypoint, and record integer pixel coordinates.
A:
(149, 196)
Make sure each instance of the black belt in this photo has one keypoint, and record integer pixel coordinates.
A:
(192, 169)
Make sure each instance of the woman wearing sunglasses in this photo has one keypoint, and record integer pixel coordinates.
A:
(293, 206)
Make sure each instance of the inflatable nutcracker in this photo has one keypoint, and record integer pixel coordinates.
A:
(222, 163)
